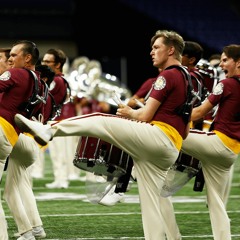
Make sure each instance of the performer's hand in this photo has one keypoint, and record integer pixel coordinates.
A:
(124, 111)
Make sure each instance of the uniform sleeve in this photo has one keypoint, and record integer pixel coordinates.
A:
(6, 81)
(160, 88)
(217, 94)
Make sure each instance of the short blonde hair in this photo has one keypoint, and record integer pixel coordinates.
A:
(171, 38)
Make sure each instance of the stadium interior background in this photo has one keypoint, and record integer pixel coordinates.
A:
(118, 32)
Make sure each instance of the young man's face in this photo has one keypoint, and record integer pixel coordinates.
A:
(49, 60)
(159, 53)
(229, 66)
(17, 58)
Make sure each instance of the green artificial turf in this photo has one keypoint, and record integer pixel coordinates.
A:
(79, 219)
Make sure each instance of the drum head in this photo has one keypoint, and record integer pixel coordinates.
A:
(98, 186)
(176, 179)
(182, 171)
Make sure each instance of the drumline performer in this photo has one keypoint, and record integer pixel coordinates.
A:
(218, 149)
(187, 167)
(4, 66)
(204, 78)
(192, 53)
(25, 95)
(153, 144)
(26, 153)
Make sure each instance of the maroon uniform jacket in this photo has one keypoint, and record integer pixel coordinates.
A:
(16, 86)
(227, 119)
(170, 90)
(58, 90)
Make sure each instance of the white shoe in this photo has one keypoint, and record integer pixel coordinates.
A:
(41, 132)
(38, 232)
(57, 185)
(112, 198)
(27, 236)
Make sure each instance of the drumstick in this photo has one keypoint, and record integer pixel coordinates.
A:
(140, 104)
(116, 99)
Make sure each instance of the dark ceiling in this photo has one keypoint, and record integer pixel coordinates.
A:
(113, 31)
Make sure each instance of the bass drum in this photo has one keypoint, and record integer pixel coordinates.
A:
(182, 171)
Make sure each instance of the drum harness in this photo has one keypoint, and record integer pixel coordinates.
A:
(192, 96)
(203, 91)
(36, 97)
(185, 109)
(56, 109)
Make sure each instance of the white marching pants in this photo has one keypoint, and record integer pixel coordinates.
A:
(5, 150)
(152, 152)
(217, 161)
(18, 188)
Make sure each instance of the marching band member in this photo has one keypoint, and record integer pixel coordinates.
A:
(151, 135)
(61, 150)
(218, 149)
(19, 83)
(4, 66)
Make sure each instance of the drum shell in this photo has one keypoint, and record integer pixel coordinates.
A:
(101, 158)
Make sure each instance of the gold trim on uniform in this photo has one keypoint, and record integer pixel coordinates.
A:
(9, 131)
(231, 143)
(171, 132)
